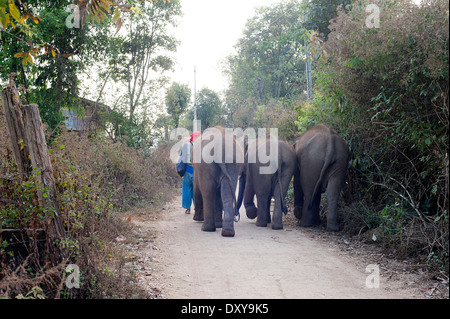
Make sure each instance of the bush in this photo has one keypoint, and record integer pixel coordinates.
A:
(126, 176)
(386, 92)
(94, 178)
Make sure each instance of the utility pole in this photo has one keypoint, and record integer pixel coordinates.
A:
(308, 65)
(195, 100)
(308, 73)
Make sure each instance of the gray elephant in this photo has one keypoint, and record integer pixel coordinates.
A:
(259, 179)
(217, 161)
(322, 158)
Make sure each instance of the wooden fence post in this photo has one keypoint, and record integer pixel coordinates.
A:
(14, 119)
(31, 152)
(40, 161)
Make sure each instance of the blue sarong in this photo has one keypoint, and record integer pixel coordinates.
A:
(188, 189)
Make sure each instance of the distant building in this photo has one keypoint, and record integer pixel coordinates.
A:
(87, 115)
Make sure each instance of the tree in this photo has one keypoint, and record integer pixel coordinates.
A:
(177, 100)
(142, 51)
(319, 13)
(270, 59)
(48, 55)
(50, 80)
(209, 108)
(268, 73)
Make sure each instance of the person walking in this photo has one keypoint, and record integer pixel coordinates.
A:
(188, 177)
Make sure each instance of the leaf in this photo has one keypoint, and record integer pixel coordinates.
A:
(20, 54)
(118, 25)
(34, 19)
(116, 16)
(4, 19)
(14, 12)
(53, 52)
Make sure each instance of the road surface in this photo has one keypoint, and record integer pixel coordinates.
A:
(184, 262)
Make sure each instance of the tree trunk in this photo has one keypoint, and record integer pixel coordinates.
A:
(14, 119)
(40, 161)
(30, 151)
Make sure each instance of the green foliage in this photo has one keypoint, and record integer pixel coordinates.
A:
(209, 109)
(51, 81)
(177, 99)
(270, 55)
(267, 75)
(138, 58)
(319, 13)
(386, 92)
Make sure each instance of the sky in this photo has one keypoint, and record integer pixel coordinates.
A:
(208, 31)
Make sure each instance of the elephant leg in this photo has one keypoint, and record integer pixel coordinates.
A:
(227, 194)
(198, 200)
(269, 220)
(311, 215)
(249, 194)
(277, 222)
(278, 211)
(333, 191)
(298, 194)
(316, 209)
(209, 209)
(219, 209)
(263, 210)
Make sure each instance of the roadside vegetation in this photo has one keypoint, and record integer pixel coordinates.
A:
(384, 89)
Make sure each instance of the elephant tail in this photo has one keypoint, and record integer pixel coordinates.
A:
(282, 199)
(226, 175)
(327, 162)
(242, 182)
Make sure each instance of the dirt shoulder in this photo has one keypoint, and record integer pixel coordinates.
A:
(175, 259)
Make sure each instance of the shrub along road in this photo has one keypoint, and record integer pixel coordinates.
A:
(184, 262)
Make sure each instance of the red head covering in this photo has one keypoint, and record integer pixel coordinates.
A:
(195, 136)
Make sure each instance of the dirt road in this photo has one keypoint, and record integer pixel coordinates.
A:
(184, 262)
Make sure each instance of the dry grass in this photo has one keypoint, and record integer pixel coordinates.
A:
(96, 180)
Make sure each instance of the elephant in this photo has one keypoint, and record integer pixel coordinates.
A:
(218, 162)
(267, 184)
(322, 161)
